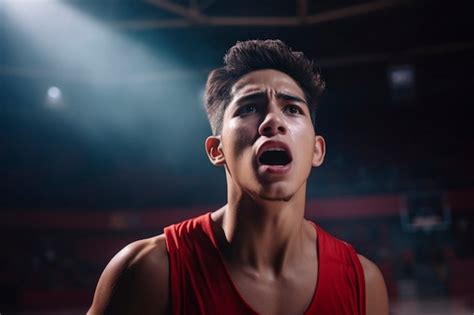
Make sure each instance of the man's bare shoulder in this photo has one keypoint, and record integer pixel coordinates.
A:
(375, 290)
(136, 280)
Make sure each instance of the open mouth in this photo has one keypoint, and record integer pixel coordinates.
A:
(276, 156)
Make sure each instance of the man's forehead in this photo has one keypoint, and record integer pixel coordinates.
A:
(263, 80)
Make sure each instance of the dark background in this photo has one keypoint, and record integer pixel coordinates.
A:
(126, 138)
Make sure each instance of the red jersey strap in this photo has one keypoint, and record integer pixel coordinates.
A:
(199, 281)
(341, 285)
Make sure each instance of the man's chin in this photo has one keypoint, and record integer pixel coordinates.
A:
(275, 197)
(278, 192)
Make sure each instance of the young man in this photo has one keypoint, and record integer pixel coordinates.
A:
(257, 254)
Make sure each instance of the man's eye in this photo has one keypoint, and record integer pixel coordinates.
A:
(247, 109)
(292, 109)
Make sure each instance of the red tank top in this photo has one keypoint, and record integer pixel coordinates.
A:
(200, 283)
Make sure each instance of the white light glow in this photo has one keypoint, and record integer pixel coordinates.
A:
(54, 93)
(78, 46)
(402, 76)
(108, 82)
(54, 98)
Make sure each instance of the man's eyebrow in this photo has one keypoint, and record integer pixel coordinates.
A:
(259, 95)
(289, 97)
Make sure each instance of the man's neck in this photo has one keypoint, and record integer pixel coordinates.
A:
(263, 235)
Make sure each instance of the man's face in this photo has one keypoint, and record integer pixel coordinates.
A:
(268, 143)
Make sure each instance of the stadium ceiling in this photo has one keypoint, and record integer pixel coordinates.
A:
(284, 13)
(430, 27)
(347, 31)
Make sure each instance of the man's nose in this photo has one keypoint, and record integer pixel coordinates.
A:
(272, 124)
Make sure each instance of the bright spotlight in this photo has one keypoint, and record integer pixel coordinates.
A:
(54, 93)
(402, 76)
(401, 80)
(54, 97)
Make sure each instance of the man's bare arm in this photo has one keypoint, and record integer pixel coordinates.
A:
(376, 298)
(136, 281)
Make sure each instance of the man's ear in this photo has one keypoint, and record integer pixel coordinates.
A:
(214, 150)
(319, 151)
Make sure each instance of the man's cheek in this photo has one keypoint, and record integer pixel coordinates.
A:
(241, 141)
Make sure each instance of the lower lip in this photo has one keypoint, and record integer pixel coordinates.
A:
(275, 169)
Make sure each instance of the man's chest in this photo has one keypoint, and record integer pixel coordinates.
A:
(292, 294)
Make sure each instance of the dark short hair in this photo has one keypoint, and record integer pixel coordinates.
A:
(252, 55)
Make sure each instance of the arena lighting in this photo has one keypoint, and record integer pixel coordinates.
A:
(75, 44)
(402, 83)
(402, 76)
(54, 93)
(116, 84)
(54, 98)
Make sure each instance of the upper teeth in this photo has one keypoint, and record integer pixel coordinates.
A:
(274, 149)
